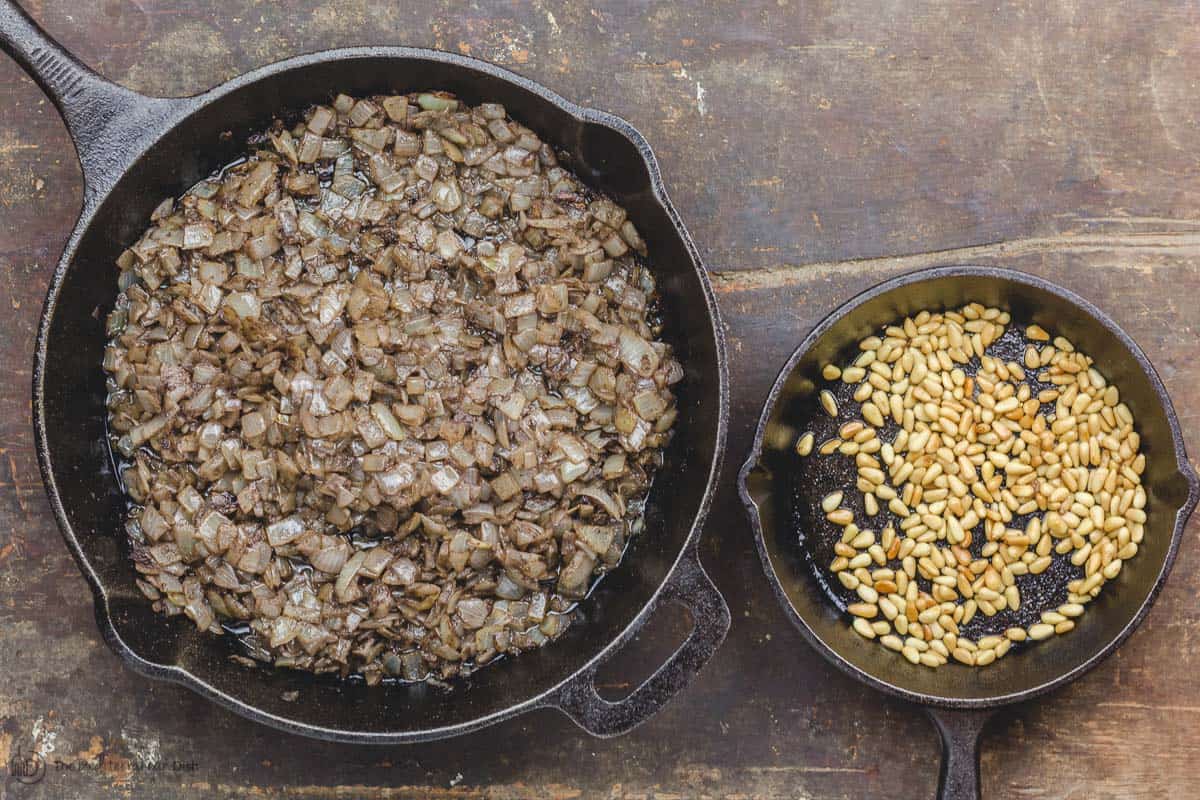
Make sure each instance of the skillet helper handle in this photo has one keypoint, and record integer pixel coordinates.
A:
(690, 587)
(960, 731)
(107, 122)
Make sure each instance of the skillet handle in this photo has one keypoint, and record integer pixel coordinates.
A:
(107, 122)
(960, 731)
(690, 587)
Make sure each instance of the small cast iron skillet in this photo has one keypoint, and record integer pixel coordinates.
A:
(959, 699)
(137, 150)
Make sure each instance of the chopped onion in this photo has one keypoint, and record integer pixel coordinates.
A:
(331, 559)
(387, 390)
(245, 304)
(508, 589)
(345, 580)
(391, 426)
(436, 102)
(637, 354)
(285, 531)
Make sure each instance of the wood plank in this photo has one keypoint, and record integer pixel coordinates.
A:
(805, 131)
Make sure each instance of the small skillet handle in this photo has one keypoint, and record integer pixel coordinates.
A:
(691, 587)
(107, 122)
(960, 731)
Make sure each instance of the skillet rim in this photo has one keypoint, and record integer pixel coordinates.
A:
(174, 112)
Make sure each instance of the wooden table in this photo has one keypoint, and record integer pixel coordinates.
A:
(814, 148)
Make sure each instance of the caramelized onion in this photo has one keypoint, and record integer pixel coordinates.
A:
(390, 391)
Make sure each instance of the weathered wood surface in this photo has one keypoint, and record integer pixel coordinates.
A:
(813, 148)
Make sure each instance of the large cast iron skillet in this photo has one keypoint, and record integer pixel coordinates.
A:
(137, 150)
(960, 699)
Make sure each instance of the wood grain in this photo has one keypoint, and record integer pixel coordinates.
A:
(814, 148)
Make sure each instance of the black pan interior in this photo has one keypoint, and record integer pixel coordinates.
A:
(213, 135)
(796, 410)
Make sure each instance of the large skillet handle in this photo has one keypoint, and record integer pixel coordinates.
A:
(108, 123)
(690, 587)
(960, 731)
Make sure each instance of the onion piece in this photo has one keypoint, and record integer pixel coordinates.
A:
(345, 579)
(637, 354)
(285, 531)
(245, 304)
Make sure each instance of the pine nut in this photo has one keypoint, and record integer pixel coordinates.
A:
(1021, 462)
(828, 403)
(1040, 631)
(831, 501)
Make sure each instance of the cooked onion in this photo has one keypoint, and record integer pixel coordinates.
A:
(390, 391)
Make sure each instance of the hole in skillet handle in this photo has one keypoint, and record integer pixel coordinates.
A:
(689, 586)
(654, 643)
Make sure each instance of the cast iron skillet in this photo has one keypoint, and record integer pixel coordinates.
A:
(137, 150)
(960, 700)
